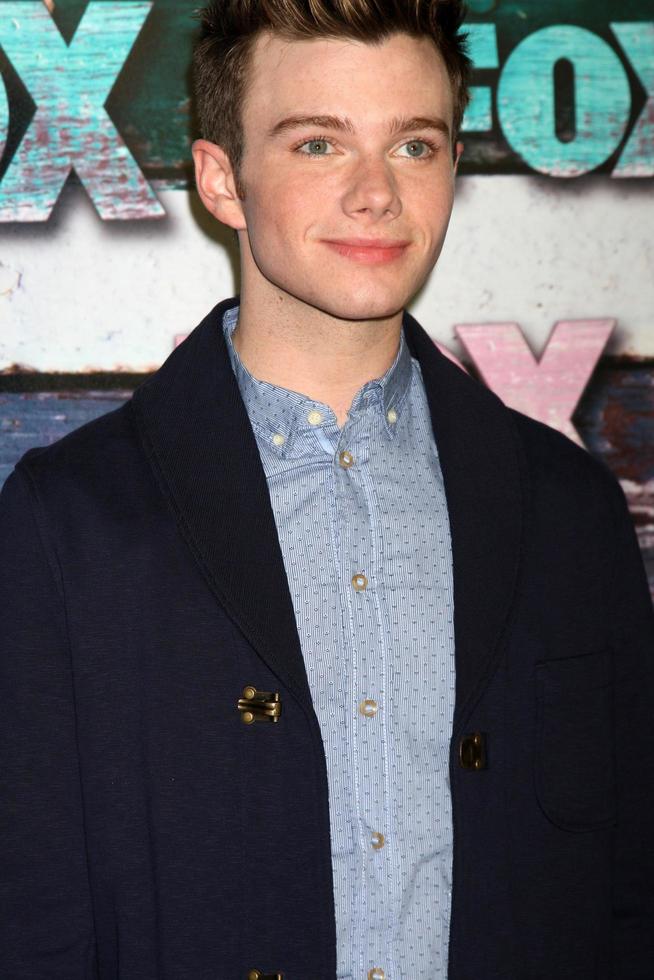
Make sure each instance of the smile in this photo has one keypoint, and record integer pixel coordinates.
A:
(368, 252)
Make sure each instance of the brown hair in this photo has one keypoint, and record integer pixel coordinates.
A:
(229, 29)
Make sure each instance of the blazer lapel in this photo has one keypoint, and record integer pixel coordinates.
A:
(197, 435)
(477, 447)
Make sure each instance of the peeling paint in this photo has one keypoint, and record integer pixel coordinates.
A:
(641, 504)
(637, 159)
(71, 128)
(526, 101)
(10, 280)
(547, 389)
(640, 498)
(18, 369)
(153, 115)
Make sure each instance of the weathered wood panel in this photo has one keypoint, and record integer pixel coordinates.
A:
(526, 115)
(71, 128)
(40, 418)
(616, 420)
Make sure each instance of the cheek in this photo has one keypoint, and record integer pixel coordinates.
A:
(281, 209)
(434, 209)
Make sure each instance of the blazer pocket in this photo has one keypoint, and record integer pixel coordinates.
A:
(574, 765)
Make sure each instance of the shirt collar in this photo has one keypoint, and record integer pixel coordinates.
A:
(280, 413)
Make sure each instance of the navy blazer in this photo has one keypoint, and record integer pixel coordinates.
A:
(148, 833)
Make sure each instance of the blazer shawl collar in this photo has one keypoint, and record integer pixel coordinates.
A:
(197, 436)
(483, 475)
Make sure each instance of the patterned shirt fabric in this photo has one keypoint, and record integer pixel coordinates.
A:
(364, 533)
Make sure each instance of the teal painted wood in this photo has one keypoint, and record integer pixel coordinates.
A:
(149, 103)
(526, 101)
(70, 128)
(638, 42)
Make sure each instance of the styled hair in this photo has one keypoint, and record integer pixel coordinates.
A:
(229, 28)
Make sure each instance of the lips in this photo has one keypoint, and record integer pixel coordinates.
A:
(368, 242)
(370, 251)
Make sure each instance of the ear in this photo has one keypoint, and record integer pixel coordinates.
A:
(214, 179)
(458, 150)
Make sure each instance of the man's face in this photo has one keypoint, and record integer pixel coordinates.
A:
(348, 212)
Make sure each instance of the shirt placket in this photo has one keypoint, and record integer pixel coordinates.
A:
(360, 568)
(359, 503)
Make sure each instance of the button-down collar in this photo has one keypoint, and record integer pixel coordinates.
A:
(280, 414)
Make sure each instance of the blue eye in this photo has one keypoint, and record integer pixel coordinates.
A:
(417, 149)
(315, 148)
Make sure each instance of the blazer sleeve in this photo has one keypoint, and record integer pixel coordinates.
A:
(632, 627)
(46, 924)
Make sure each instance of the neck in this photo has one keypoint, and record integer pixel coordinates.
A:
(293, 345)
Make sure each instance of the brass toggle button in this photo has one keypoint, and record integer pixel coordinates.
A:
(258, 975)
(472, 751)
(259, 706)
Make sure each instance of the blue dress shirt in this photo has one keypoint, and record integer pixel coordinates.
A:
(364, 533)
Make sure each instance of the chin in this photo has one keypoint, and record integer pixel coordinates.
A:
(353, 310)
(360, 304)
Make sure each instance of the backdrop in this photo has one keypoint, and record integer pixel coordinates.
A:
(544, 290)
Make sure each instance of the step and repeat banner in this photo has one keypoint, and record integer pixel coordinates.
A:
(545, 288)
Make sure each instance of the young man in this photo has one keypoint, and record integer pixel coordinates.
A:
(317, 660)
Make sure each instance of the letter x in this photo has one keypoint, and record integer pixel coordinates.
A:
(637, 159)
(549, 389)
(70, 127)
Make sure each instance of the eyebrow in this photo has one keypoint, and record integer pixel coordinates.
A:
(397, 125)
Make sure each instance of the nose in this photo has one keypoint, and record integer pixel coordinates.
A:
(372, 190)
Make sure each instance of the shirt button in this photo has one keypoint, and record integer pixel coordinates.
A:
(359, 581)
(314, 417)
(391, 415)
(368, 708)
(378, 840)
(278, 439)
(376, 973)
(345, 459)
